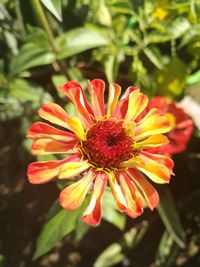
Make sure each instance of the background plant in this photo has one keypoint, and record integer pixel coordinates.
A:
(151, 44)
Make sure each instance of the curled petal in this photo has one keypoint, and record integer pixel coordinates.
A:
(133, 198)
(117, 193)
(92, 214)
(122, 106)
(96, 88)
(152, 141)
(55, 114)
(49, 146)
(40, 130)
(73, 196)
(157, 167)
(71, 169)
(45, 171)
(153, 123)
(148, 191)
(76, 95)
(114, 92)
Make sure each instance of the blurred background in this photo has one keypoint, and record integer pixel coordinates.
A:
(153, 45)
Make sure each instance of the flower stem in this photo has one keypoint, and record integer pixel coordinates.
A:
(37, 7)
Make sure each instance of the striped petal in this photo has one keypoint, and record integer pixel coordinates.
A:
(152, 141)
(45, 171)
(148, 191)
(49, 146)
(76, 95)
(73, 196)
(96, 89)
(153, 123)
(40, 130)
(55, 114)
(93, 213)
(122, 106)
(136, 104)
(157, 167)
(72, 169)
(133, 198)
(113, 95)
(117, 193)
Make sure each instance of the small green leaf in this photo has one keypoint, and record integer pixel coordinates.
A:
(111, 66)
(81, 229)
(167, 251)
(55, 7)
(59, 223)
(79, 40)
(110, 256)
(154, 56)
(193, 78)
(115, 252)
(179, 27)
(170, 217)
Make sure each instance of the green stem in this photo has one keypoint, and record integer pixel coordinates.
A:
(45, 25)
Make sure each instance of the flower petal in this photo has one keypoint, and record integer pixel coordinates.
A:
(92, 214)
(133, 198)
(49, 146)
(152, 141)
(41, 130)
(122, 106)
(153, 123)
(55, 114)
(73, 196)
(117, 193)
(96, 89)
(148, 191)
(45, 171)
(157, 167)
(76, 95)
(136, 104)
(114, 92)
(77, 127)
(71, 169)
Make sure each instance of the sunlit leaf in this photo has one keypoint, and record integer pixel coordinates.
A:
(170, 216)
(178, 27)
(78, 40)
(54, 6)
(31, 55)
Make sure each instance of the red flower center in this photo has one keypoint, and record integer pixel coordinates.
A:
(107, 144)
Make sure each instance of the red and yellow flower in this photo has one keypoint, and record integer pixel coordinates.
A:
(105, 145)
(181, 126)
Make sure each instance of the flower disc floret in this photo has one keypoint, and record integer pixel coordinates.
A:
(107, 144)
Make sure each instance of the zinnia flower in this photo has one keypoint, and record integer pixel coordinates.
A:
(106, 146)
(181, 126)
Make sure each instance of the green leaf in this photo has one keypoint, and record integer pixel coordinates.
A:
(31, 55)
(110, 256)
(193, 78)
(154, 56)
(110, 212)
(24, 90)
(170, 217)
(111, 66)
(115, 252)
(59, 223)
(179, 27)
(55, 7)
(167, 251)
(81, 229)
(79, 40)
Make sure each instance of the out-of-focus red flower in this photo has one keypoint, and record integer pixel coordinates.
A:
(105, 145)
(182, 126)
